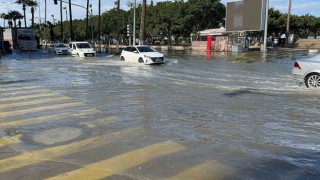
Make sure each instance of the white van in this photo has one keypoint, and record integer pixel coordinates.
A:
(81, 49)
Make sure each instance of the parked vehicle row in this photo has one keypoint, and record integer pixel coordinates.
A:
(139, 54)
(78, 48)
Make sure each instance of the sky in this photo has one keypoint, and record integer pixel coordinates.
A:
(299, 7)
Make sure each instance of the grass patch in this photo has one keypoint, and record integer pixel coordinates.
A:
(244, 59)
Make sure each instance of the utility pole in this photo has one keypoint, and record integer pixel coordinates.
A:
(288, 23)
(61, 26)
(71, 28)
(134, 23)
(45, 21)
(87, 21)
(99, 25)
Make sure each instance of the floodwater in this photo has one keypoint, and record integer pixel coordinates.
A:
(235, 120)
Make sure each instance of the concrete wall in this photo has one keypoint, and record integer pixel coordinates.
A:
(308, 44)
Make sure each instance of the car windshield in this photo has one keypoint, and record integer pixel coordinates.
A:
(60, 45)
(83, 45)
(145, 49)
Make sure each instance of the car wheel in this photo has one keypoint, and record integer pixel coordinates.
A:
(313, 80)
(122, 58)
(140, 60)
(78, 55)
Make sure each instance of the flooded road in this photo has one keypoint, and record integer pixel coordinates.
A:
(195, 117)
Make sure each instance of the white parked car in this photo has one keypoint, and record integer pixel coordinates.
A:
(142, 54)
(81, 49)
(308, 71)
(58, 48)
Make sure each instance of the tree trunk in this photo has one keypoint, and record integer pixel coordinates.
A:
(24, 12)
(118, 14)
(32, 17)
(142, 23)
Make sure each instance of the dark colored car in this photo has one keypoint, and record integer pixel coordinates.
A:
(6, 47)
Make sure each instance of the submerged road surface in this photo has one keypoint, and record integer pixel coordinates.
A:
(195, 117)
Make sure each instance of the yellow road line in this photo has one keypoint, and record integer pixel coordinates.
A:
(27, 103)
(4, 99)
(38, 109)
(41, 119)
(48, 154)
(122, 162)
(209, 170)
(100, 122)
(22, 88)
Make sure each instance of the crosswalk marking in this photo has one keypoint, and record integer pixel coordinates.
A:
(55, 117)
(14, 89)
(100, 122)
(122, 162)
(48, 154)
(206, 171)
(40, 101)
(4, 99)
(7, 94)
(5, 141)
(38, 109)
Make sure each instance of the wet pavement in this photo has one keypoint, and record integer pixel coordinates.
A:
(199, 116)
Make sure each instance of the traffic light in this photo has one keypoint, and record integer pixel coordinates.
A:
(55, 1)
(128, 30)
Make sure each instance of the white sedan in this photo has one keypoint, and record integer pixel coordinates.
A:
(142, 54)
(308, 71)
(58, 48)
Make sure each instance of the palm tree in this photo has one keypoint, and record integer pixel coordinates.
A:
(4, 17)
(15, 15)
(143, 20)
(23, 2)
(33, 5)
(24, 12)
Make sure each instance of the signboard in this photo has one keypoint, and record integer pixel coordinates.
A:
(246, 15)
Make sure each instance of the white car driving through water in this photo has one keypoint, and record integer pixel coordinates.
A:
(308, 71)
(81, 49)
(58, 48)
(142, 54)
